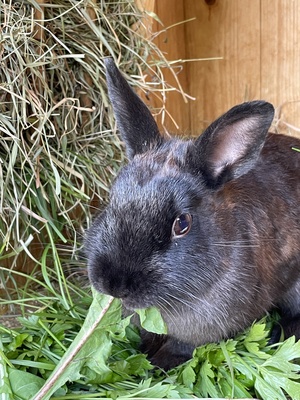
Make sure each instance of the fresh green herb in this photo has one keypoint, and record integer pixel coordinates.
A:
(151, 320)
(245, 367)
(103, 360)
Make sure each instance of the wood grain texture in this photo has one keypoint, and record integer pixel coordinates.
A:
(171, 41)
(259, 42)
(229, 29)
(280, 60)
(169, 36)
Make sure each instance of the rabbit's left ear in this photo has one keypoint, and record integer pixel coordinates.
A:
(137, 127)
(230, 146)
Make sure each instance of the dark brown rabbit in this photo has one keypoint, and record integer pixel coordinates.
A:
(207, 230)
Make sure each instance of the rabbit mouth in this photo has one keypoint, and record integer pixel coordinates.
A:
(133, 304)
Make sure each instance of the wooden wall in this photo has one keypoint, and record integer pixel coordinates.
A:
(258, 42)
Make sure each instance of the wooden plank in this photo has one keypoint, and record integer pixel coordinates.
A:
(280, 60)
(259, 41)
(169, 36)
(229, 29)
(171, 41)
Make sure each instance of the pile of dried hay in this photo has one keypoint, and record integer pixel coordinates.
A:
(58, 143)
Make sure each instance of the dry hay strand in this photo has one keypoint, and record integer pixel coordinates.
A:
(59, 148)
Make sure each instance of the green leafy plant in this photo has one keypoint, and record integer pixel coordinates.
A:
(244, 367)
(54, 355)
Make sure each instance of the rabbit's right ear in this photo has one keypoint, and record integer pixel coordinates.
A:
(230, 146)
(135, 122)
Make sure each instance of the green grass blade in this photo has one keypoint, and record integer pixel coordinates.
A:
(68, 368)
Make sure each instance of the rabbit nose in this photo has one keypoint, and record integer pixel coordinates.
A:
(119, 293)
(116, 288)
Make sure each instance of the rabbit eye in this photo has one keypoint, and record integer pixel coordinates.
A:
(182, 225)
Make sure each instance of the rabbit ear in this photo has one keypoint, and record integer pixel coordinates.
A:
(230, 146)
(137, 127)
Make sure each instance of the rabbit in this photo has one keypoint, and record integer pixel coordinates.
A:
(206, 229)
